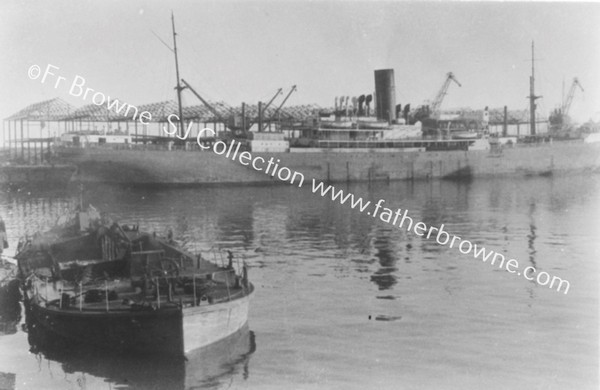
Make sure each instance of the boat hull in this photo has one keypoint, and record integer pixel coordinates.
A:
(204, 325)
(337, 125)
(173, 331)
(121, 332)
(146, 168)
(373, 125)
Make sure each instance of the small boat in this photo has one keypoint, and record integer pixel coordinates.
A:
(340, 124)
(465, 135)
(373, 125)
(95, 282)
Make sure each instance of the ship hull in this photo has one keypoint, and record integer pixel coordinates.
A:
(138, 167)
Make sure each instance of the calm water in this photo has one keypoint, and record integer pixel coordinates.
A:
(344, 301)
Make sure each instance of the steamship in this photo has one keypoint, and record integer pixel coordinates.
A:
(340, 147)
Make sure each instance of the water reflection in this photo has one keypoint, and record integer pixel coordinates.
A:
(302, 247)
(10, 308)
(209, 367)
(384, 277)
(28, 212)
(234, 219)
(532, 235)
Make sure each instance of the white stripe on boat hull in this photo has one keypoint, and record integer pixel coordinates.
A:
(204, 325)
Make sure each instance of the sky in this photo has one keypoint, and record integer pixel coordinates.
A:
(237, 51)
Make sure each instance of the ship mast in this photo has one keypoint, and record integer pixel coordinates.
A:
(179, 88)
(532, 97)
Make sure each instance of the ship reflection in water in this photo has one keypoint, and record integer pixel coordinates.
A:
(344, 300)
(208, 367)
(384, 277)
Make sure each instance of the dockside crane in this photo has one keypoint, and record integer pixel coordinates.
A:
(566, 106)
(559, 118)
(210, 108)
(279, 108)
(264, 108)
(273, 98)
(437, 102)
(431, 110)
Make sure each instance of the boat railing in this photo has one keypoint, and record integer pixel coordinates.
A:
(238, 281)
(229, 279)
(218, 257)
(58, 287)
(216, 250)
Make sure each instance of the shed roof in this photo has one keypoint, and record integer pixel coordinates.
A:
(58, 110)
(96, 113)
(48, 110)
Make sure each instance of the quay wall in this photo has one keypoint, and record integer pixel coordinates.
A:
(32, 175)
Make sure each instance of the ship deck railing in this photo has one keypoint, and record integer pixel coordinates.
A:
(396, 144)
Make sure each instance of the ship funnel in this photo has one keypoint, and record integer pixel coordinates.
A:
(368, 101)
(346, 104)
(361, 102)
(406, 112)
(385, 93)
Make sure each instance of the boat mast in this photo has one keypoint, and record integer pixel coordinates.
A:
(179, 88)
(532, 97)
